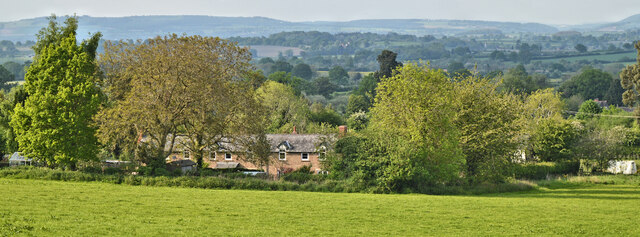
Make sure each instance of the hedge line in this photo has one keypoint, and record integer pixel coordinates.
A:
(247, 183)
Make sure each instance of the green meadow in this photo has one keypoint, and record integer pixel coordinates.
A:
(54, 208)
(627, 57)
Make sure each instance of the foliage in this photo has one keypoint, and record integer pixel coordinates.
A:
(298, 84)
(5, 77)
(338, 75)
(553, 140)
(540, 108)
(358, 120)
(190, 84)
(517, 80)
(581, 48)
(284, 108)
(613, 116)
(630, 81)
(590, 84)
(388, 63)
(55, 123)
(601, 145)
(412, 119)
(303, 71)
(357, 103)
(325, 114)
(588, 109)
(323, 86)
(17, 95)
(542, 170)
(488, 123)
(281, 66)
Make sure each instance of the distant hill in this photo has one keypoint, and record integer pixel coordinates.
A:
(142, 27)
(632, 22)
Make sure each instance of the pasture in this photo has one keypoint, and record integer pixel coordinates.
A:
(629, 57)
(36, 207)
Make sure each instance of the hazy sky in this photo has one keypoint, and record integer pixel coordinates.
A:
(542, 11)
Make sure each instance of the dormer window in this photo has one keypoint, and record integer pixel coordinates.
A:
(322, 154)
(282, 151)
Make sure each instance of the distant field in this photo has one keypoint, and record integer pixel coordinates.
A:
(273, 51)
(630, 57)
(326, 73)
(36, 208)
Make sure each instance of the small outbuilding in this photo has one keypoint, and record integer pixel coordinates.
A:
(184, 165)
(622, 166)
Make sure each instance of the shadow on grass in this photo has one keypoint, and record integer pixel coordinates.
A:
(584, 191)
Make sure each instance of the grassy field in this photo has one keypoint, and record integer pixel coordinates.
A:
(33, 207)
(628, 56)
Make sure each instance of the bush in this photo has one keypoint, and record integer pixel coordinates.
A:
(542, 170)
(313, 183)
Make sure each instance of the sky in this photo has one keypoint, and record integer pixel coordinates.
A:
(556, 12)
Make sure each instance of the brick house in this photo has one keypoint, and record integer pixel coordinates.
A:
(288, 152)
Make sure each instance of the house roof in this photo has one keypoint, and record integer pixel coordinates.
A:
(291, 142)
(227, 165)
(183, 163)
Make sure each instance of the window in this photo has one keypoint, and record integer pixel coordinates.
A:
(212, 155)
(227, 156)
(323, 153)
(187, 155)
(282, 155)
(215, 156)
(305, 156)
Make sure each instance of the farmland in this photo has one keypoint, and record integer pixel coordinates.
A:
(33, 207)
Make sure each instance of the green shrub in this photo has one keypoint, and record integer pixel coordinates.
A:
(313, 183)
(542, 170)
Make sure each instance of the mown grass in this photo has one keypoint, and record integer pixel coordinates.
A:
(54, 208)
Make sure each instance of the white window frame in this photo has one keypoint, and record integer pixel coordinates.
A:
(186, 154)
(229, 155)
(283, 153)
(215, 155)
(302, 157)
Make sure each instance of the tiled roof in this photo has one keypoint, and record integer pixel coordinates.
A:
(293, 142)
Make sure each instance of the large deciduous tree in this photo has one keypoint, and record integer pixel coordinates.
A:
(489, 125)
(591, 83)
(413, 120)
(630, 81)
(55, 123)
(177, 84)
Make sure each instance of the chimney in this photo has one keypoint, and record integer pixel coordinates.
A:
(294, 130)
(342, 131)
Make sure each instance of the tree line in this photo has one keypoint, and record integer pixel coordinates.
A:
(414, 126)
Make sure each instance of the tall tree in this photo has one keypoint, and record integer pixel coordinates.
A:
(388, 63)
(338, 75)
(55, 123)
(5, 77)
(581, 48)
(285, 109)
(630, 81)
(171, 84)
(412, 119)
(303, 71)
(591, 83)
